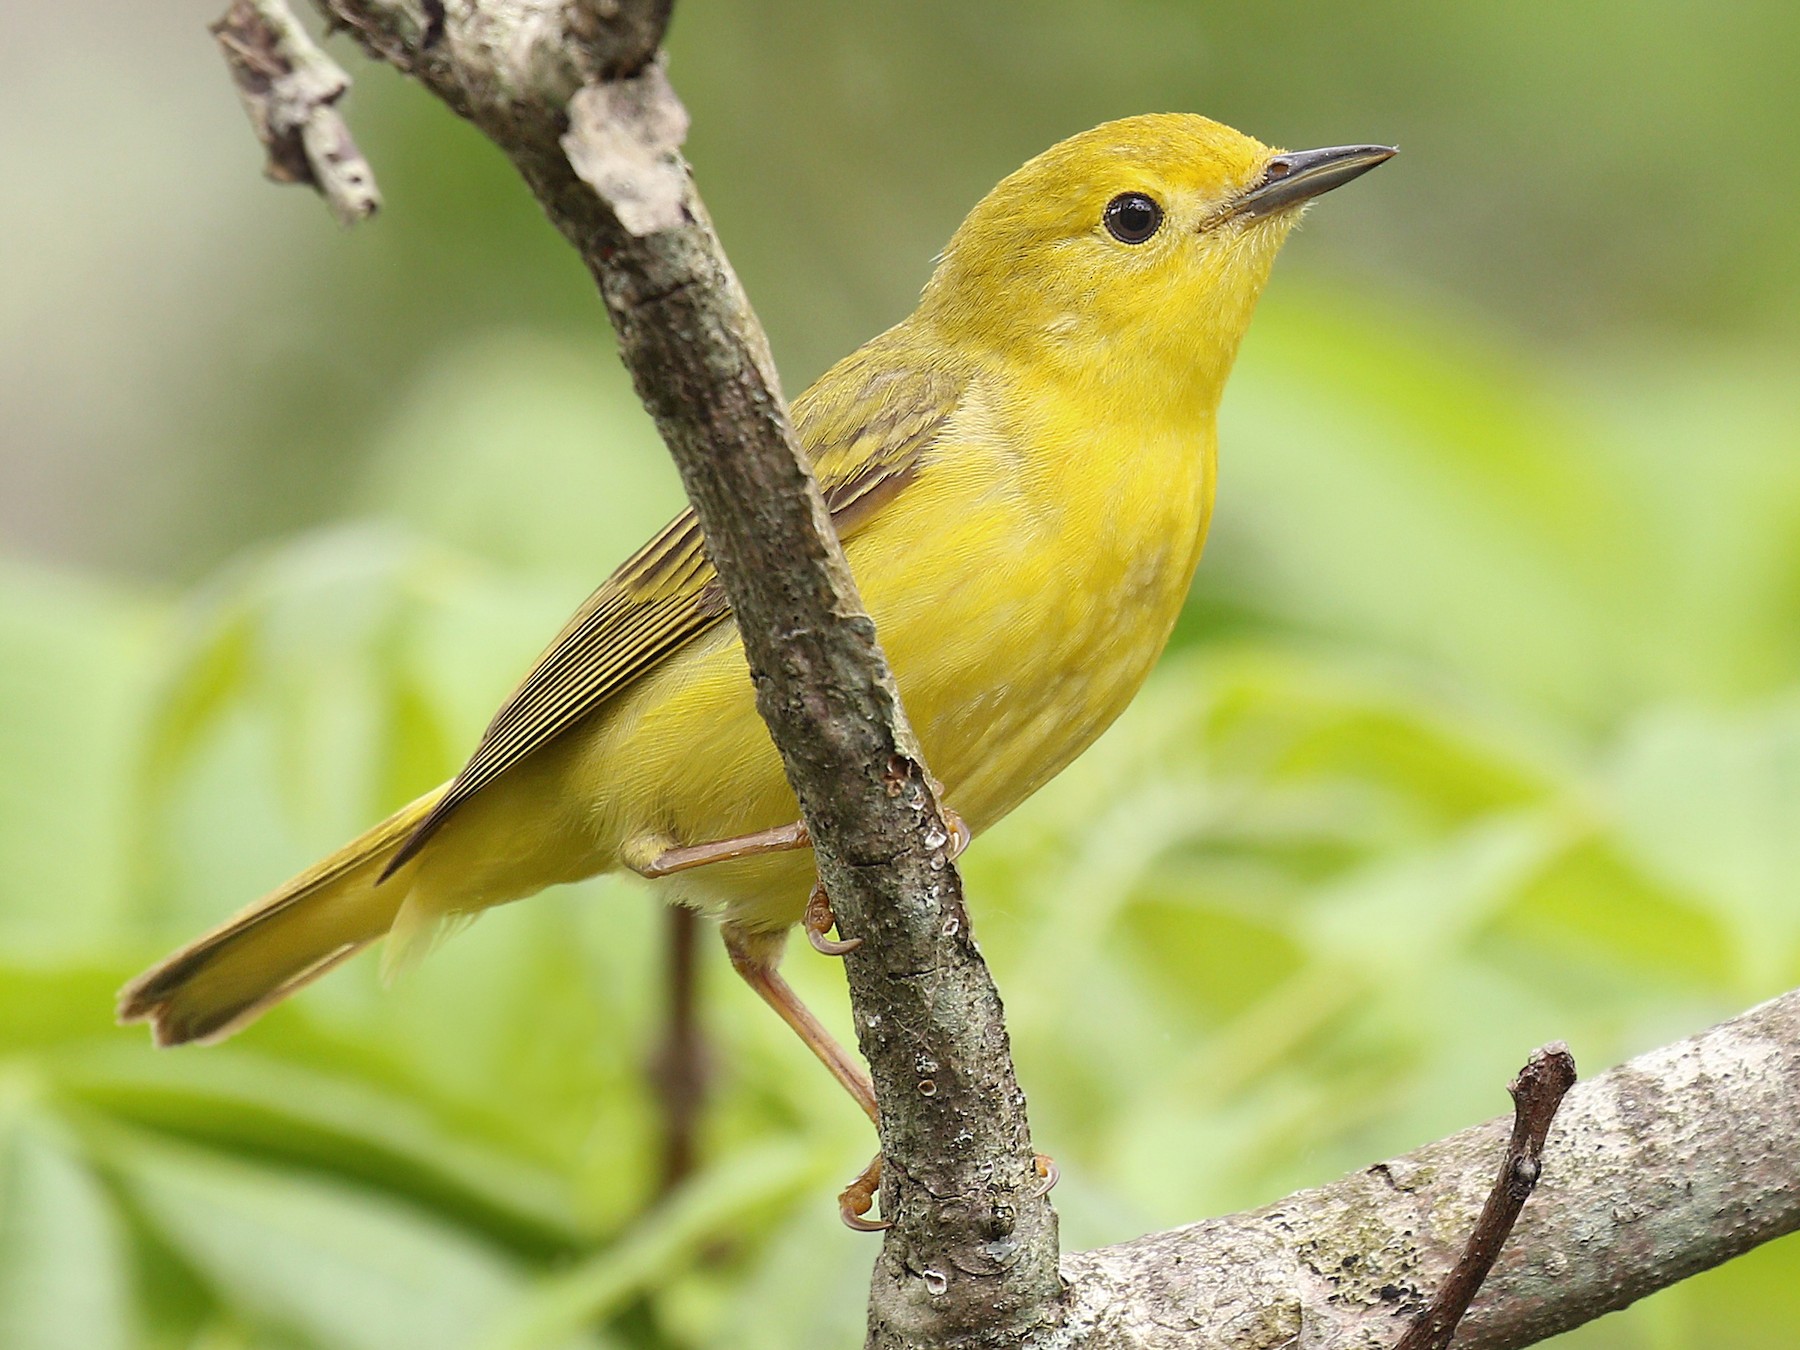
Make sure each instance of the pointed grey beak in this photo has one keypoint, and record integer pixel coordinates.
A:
(1295, 176)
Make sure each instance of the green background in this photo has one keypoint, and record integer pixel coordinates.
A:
(1482, 728)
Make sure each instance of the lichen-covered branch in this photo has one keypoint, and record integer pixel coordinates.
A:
(1663, 1167)
(290, 91)
(573, 93)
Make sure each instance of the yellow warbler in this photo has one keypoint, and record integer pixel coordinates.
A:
(1021, 472)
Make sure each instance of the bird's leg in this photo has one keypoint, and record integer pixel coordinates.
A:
(685, 857)
(663, 862)
(655, 857)
(754, 957)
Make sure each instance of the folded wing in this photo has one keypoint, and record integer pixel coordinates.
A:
(867, 425)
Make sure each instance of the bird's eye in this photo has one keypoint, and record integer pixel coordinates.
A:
(1132, 217)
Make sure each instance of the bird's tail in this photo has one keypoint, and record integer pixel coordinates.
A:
(230, 976)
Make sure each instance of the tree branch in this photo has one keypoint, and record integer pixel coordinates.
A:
(1663, 1167)
(681, 1065)
(290, 91)
(571, 94)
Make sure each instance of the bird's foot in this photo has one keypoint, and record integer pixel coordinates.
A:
(858, 1198)
(960, 833)
(820, 920)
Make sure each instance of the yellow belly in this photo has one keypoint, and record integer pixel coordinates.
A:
(1019, 619)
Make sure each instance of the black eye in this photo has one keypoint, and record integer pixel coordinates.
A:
(1131, 217)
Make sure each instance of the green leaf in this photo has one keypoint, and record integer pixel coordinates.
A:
(74, 662)
(713, 1204)
(599, 482)
(1387, 477)
(63, 1274)
(316, 1258)
(264, 1109)
(1710, 804)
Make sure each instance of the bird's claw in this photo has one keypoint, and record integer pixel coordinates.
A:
(1049, 1171)
(961, 836)
(820, 920)
(858, 1198)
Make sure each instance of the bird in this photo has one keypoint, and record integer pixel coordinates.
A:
(1022, 473)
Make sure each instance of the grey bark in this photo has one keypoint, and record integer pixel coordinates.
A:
(1663, 1167)
(290, 90)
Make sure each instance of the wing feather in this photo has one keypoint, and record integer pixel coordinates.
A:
(865, 445)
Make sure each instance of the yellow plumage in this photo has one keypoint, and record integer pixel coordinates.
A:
(1022, 473)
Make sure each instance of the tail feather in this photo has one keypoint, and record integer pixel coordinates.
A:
(228, 977)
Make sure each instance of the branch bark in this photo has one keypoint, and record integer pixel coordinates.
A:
(290, 91)
(1661, 1168)
(572, 92)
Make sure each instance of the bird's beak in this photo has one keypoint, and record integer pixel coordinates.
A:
(1295, 176)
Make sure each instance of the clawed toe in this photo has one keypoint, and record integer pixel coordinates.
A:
(858, 1198)
(961, 836)
(819, 921)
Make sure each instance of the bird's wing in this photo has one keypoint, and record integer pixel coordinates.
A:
(866, 425)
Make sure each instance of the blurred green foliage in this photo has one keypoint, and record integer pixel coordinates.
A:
(1482, 729)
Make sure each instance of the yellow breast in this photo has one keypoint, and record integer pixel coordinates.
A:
(1037, 591)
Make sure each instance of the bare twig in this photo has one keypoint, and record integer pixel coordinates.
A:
(1537, 1093)
(290, 91)
(680, 1069)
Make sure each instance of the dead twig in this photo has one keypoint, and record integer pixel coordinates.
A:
(679, 1070)
(290, 91)
(1537, 1093)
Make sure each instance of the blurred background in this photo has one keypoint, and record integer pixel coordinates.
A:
(1482, 728)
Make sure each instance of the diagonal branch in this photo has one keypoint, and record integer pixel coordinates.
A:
(572, 94)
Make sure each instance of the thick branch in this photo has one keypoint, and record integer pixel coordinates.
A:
(1663, 1167)
(973, 1253)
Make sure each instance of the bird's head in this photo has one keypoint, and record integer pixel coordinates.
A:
(1145, 240)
